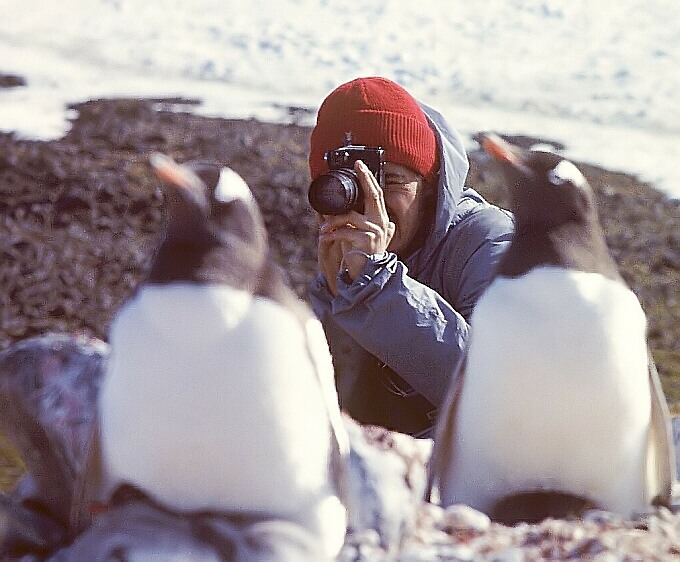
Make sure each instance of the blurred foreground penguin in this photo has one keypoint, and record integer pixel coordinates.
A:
(557, 407)
(218, 394)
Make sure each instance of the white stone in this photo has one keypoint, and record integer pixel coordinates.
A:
(460, 517)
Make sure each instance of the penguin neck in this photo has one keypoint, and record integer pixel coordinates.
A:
(185, 256)
(571, 245)
(205, 255)
(190, 250)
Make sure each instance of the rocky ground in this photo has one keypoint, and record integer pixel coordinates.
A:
(80, 217)
(460, 534)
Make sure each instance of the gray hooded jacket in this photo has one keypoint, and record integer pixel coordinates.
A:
(398, 331)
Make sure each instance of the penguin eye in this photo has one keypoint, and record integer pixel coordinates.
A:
(565, 172)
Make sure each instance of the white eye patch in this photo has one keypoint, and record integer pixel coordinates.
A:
(566, 172)
(231, 186)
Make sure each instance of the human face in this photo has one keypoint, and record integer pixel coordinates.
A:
(405, 198)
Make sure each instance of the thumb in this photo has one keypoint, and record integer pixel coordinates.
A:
(389, 233)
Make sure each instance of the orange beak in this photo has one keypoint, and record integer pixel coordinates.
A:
(170, 171)
(175, 174)
(503, 152)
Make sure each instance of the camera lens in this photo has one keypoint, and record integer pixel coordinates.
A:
(336, 192)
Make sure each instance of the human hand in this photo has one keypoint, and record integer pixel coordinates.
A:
(347, 240)
(330, 254)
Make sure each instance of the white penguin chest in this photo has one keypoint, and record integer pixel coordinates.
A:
(557, 332)
(556, 373)
(211, 400)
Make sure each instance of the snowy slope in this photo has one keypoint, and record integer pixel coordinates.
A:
(601, 76)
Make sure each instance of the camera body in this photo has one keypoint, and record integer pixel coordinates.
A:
(338, 191)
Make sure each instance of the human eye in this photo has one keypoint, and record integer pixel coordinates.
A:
(395, 185)
(394, 181)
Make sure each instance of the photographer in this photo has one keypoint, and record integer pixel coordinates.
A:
(399, 279)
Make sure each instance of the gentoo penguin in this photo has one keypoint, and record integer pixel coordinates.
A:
(218, 394)
(557, 407)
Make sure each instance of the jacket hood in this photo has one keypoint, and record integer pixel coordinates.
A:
(451, 183)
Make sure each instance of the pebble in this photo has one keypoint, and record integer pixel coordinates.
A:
(429, 514)
(457, 553)
(514, 554)
(599, 536)
(601, 517)
(365, 537)
(460, 517)
(420, 553)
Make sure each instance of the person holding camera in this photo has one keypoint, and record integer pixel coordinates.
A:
(403, 263)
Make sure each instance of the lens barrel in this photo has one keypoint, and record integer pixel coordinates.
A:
(336, 192)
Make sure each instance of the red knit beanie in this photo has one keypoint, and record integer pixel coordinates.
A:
(377, 112)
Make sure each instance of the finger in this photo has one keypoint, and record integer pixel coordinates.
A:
(356, 224)
(329, 250)
(335, 221)
(374, 202)
(351, 219)
(330, 257)
(359, 239)
(389, 232)
(325, 247)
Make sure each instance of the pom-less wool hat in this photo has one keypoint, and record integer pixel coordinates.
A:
(377, 112)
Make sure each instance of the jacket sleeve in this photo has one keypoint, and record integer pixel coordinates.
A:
(407, 325)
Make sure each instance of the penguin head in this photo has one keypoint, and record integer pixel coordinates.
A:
(555, 193)
(214, 232)
(556, 221)
(546, 190)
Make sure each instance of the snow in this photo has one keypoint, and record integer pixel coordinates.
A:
(601, 77)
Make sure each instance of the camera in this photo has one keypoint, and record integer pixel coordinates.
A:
(338, 191)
